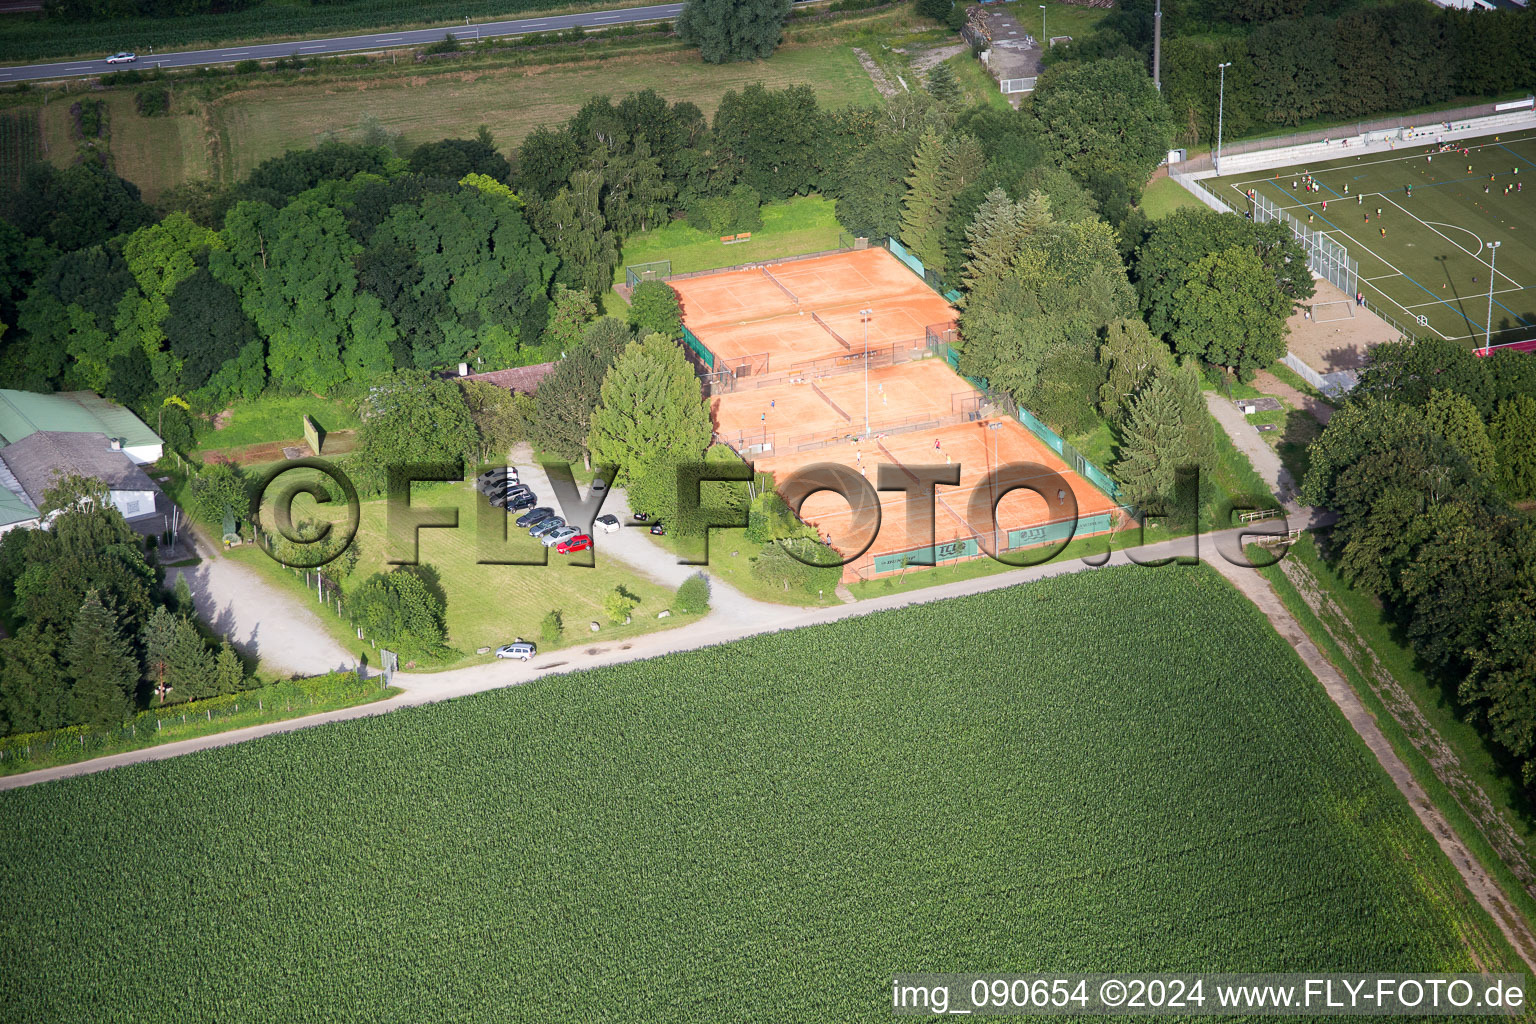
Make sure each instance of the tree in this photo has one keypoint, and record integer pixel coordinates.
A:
(941, 84)
(729, 30)
(995, 233)
(102, 668)
(473, 277)
(411, 417)
(398, 610)
(1229, 313)
(1408, 371)
(570, 312)
(572, 224)
(217, 344)
(454, 158)
(1131, 359)
(938, 10)
(1105, 121)
(228, 673)
(618, 603)
(1513, 433)
(564, 402)
(78, 206)
(190, 669)
(941, 168)
(501, 417)
(552, 628)
(1164, 262)
(157, 638)
(1455, 419)
(1168, 430)
(545, 162)
(649, 408)
(218, 488)
(654, 309)
(771, 140)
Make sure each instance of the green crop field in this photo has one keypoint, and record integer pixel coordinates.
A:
(1430, 270)
(20, 144)
(1119, 770)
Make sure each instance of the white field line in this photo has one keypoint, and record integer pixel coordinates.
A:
(1477, 254)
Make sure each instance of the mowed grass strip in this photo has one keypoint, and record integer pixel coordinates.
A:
(1123, 770)
(800, 225)
(488, 605)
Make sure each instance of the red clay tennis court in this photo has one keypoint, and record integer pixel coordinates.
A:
(808, 309)
(1024, 518)
(780, 417)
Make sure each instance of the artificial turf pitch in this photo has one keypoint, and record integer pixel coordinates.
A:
(1430, 270)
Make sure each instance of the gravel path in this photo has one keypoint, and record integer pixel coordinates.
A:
(259, 620)
(1265, 460)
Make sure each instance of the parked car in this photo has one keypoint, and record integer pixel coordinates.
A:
(546, 526)
(657, 530)
(520, 649)
(641, 517)
(122, 58)
(513, 497)
(535, 515)
(495, 479)
(609, 524)
(599, 485)
(571, 545)
(549, 540)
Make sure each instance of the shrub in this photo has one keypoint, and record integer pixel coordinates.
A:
(618, 604)
(552, 628)
(693, 595)
(729, 214)
(447, 44)
(152, 101)
(247, 67)
(217, 487)
(654, 309)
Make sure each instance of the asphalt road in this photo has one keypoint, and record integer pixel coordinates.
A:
(342, 44)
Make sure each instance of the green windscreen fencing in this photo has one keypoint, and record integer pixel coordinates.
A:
(1085, 469)
(659, 270)
(698, 348)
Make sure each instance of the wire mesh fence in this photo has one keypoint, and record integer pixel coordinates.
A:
(657, 270)
(1327, 258)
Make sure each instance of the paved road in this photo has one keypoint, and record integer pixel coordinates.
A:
(345, 44)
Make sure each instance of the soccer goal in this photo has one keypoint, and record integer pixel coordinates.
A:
(1328, 312)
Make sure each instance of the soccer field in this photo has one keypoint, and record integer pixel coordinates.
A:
(1424, 258)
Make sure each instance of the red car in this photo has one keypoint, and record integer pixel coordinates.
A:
(571, 545)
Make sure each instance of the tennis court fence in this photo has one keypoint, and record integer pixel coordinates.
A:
(658, 270)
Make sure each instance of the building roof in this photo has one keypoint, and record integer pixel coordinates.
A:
(15, 506)
(23, 413)
(36, 461)
(519, 378)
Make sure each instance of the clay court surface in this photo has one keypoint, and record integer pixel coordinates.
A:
(741, 313)
(785, 414)
(812, 411)
(960, 512)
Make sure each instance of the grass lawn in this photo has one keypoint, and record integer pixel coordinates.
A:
(799, 225)
(1061, 19)
(730, 555)
(262, 122)
(1431, 265)
(1235, 478)
(684, 839)
(979, 86)
(488, 605)
(1163, 196)
(272, 418)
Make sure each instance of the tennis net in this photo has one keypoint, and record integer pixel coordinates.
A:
(827, 398)
(769, 275)
(830, 331)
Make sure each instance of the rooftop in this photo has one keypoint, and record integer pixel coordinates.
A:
(524, 379)
(24, 413)
(43, 455)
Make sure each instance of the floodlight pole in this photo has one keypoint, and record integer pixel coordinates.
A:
(1493, 252)
(1221, 105)
(1157, 47)
(864, 315)
(1042, 26)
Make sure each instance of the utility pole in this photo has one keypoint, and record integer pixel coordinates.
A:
(1157, 46)
(865, 315)
(1043, 43)
(1493, 252)
(1221, 103)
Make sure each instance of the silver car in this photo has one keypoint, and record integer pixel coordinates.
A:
(546, 526)
(549, 540)
(122, 58)
(521, 650)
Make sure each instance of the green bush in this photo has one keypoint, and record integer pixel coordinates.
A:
(246, 67)
(618, 604)
(552, 628)
(216, 488)
(447, 44)
(693, 595)
(152, 101)
(729, 214)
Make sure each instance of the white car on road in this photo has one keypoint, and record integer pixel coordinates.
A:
(122, 58)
